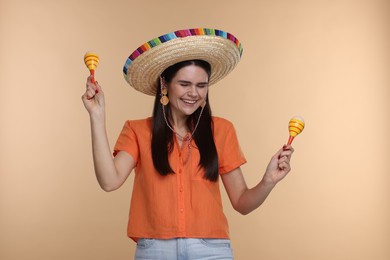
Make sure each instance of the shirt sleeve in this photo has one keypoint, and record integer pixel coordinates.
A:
(127, 141)
(229, 151)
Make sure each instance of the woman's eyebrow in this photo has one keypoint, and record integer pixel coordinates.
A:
(189, 82)
(184, 81)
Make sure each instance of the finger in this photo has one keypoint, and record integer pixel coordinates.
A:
(98, 87)
(288, 150)
(90, 93)
(90, 79)
(91, 89)
(288, 147)
(284, 159)
(278, 154)
(86, 97)
(91, 82)
(88, 82)
(284, 166)
(285, 154)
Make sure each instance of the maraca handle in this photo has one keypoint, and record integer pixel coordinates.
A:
(290, 139)
(93, 76)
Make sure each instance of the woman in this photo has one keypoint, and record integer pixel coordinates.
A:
(181, 151)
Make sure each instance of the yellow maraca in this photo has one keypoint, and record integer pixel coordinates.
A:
(295, 127)
(91, 60)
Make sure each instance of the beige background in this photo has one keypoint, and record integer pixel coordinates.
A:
(325, 60)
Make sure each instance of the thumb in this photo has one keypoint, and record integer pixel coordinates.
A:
(98, 87)
(278, 153)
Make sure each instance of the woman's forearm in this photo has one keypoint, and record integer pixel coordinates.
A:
(245, 200)
(252, 198)
(105, 170)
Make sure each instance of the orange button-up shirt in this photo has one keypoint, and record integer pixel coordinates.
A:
(183, 204)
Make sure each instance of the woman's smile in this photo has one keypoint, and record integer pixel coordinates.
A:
(189, 101)
(187, 90)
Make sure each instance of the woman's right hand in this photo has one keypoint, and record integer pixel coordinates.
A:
(93, 98)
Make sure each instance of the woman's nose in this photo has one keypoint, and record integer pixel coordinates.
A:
(193, 92)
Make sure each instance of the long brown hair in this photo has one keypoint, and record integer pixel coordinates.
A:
(163, 138)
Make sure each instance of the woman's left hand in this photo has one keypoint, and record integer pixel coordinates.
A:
(279, 166)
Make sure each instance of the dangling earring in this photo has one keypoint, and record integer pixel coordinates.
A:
(164, 100)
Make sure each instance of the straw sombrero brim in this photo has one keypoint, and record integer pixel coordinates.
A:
(145, 65)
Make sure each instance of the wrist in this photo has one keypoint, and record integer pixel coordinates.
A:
(268, 182)
(97, 118)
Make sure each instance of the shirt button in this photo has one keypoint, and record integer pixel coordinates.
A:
(179, 170)
(181, 210)
(181, 190)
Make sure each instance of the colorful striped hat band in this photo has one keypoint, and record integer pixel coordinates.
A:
(145, 65)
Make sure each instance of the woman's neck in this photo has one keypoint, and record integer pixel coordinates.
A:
(179, 124)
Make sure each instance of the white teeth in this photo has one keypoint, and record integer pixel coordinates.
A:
(189, 101)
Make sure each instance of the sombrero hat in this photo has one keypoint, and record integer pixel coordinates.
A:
(219, 48)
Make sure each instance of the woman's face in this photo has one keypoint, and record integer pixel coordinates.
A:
(187, 90)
